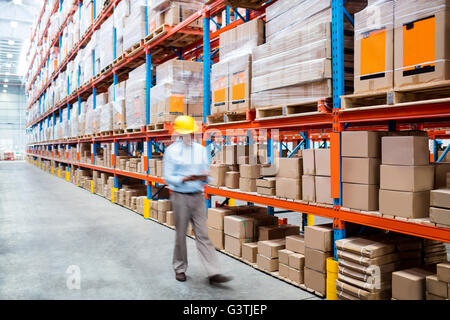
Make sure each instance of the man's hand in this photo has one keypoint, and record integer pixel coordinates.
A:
(189, 178)
(195, 178)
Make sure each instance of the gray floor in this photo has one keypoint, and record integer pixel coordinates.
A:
(49, 229)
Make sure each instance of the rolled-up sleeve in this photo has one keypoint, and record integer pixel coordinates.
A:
(169, 172)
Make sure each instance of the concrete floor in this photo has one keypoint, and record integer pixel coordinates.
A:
(49, 228)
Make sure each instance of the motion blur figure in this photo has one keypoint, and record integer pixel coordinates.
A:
(185, 170)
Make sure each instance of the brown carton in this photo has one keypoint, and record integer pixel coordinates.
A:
(283, 256)
(267, 263)
(270, 248)
(169, 218)
(361, 144)
(247, 185)
(323, 190)
(365, 246)
(360, 196)
(230, 153)
(265, 182)
(441, 174)
(440, 198)
(239, 227)
(162, 216)
(405, 150)
(322, 162)
(361, 170)
(296, 275)
(216, 237)
(217, 173)
(443, 272)
(315, 280)
(405, 204)
(365, 261)
(361, 294)
(309, 162)
(440, 216)
(216, 216)
(436, 287)
(297, 261)
(164, 205)
(409, 284)
(250, 171)
(234, 245)
(406, 178)
(296, 243)
(249, 251)
(232, 180)
(290, 168)
(430, 296)
(290, 230)
(266, 191)
(309, 188)
(319, 237)
(283, 270)
(288, 188)
(270, 233)
(316, 259)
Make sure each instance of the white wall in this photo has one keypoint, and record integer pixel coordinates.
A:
(12, 119)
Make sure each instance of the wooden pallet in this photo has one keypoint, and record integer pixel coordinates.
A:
(323, 105)
(180, 39)
(248, 4)
(132, 130)
(132, 50)
(269, 112)
(378, 98)
(154, 127)
(106, 133)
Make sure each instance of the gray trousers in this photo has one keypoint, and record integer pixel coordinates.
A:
(191, 207)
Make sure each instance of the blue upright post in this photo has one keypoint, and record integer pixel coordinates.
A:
(148, 83)
(206, 67)
(227, 15)
(79, 105)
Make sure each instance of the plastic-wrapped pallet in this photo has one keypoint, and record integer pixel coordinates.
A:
(117, 95)
(172, 13)
(105, 47)
(136, 98)
(121, 11)
(106, 117)
(135, 24)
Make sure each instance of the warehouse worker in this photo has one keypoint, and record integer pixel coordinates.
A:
(185, 170)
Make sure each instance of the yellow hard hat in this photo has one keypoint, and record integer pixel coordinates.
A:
(185, 125)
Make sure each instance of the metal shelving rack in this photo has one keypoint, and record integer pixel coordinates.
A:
(318, 127)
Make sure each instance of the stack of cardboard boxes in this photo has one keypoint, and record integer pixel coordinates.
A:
(164, 205)
(433, 252)
(292, 259)
(410, 284)
(361, 152)
(438, 285)
(215, 224)
(308, 178)
(267, 257)
(318, 247)
(266, 186)
(406, 177)
(289, 178)
(440, 207)
(322, 179)
(171, 13)
(248, 174)
(238, 230)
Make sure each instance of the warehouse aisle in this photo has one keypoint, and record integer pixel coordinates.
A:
(50, 229)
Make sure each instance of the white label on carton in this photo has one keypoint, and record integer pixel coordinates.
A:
(113, 149)
(145, 149)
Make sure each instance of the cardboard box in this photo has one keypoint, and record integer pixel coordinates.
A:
(409, 284)
(230, 154)
(169, 218)
(309, 162)
(430, 296)
(361, 144)
(290, 168)
(216, 237)
(250, 171)
(266, 191)
(315, 280)
(405, 150)
(319, 237)
(266, 182)
(216, 216)
(309, 188)
(361, 170)
(296, 275)
(220, 87)
(322, 162)
(443, 271)
(270, 248)
(323, 190)
(405, 204)
(232, 180)
(316, 259)
(247, 185)
(162, 216)
(217, 173)
(270, 233)
(249, 251)
(440, 216)
(283, 256)
(290, 229)
(360, 196)
(241, 227)
(406, 178)
(297, 261)
(288, 188)
(367, 247)
(440, 198)
(296, 243)
(234, 245)
(164, 205)
(267, 263)
(365, 261)
(240, 75)
(441, 175)
(436, 287)
(283, 270)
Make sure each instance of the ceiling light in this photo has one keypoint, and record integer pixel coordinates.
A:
(5, 86)
(17, 1)
(9, 55)
(4, 91)
(6, 80)
(14, 24)
(11, 42)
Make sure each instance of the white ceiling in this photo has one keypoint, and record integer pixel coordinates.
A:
(24, 13)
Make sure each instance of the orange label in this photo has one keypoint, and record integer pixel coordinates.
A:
(220, 85)
(176, 104)
(419, 40)
(238, 86)
(373, 52)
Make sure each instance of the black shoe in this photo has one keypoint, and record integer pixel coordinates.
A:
(218, 278)
(180, 276)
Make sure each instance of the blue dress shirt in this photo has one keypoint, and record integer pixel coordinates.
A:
(180, 161)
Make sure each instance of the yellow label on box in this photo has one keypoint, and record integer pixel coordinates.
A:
(419, 41)
(373, 52)
(176, 103)
(238, 86)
